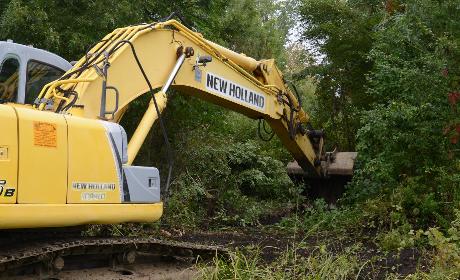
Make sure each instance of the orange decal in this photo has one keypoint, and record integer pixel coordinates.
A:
(45, 134)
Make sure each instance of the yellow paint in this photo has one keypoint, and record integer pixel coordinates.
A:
(142, 130)
(9, 146)
(91, 162)
(247, 63)
(62, 215)
(42, 170)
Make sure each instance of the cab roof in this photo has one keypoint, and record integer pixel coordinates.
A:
(25, 53)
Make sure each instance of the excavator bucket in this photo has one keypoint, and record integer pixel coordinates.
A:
(338, 171)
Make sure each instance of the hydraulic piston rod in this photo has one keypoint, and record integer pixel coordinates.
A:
(151, 114)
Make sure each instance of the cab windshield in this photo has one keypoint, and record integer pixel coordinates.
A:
(38, 75)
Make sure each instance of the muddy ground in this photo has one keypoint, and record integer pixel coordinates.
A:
(144, 271)
(271, 244)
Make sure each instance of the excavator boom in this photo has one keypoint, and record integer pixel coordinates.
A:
(212, 72)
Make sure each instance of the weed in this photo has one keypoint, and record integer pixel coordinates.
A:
(319, 264)
(319, 217)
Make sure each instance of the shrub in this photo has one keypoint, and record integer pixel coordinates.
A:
(229, 182)
(404, 150)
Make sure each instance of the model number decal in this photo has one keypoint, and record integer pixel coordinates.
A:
(4, 191)
(93, 196)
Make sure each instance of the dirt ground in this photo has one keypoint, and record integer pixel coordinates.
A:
(143, 271)
(154, 271)
(273, 244)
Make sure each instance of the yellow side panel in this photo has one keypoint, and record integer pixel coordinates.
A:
(42, 157)
(93, 175)
(63, 215)
(8, 154)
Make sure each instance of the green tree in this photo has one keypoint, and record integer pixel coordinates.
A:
(69, 27)
(65, 27)
(257, 28)
(341, 33)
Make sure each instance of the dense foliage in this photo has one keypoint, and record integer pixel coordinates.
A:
(415, 71)
(381, 77)
(69, 27)
(390, 74)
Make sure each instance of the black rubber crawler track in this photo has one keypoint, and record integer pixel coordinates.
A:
(17, 257)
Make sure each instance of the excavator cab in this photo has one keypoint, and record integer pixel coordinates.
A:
(25, 70)
(57, 169)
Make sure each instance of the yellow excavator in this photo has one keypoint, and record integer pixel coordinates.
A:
(65, 160)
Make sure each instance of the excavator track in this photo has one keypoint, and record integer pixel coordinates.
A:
(47, 257)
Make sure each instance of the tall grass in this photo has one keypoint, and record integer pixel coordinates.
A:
(319, 264)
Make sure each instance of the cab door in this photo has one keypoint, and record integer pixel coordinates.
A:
(8, 154)
(9, 79)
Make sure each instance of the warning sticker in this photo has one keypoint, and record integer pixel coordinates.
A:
(45, 134)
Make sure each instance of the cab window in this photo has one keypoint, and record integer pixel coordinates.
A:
(9, 80)
(38, 75)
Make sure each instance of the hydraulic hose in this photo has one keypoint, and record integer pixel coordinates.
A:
(160, 118)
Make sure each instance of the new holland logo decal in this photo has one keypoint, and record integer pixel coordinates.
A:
(234, 91)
